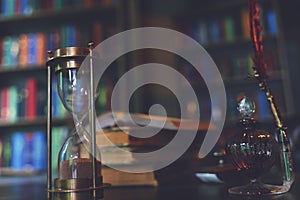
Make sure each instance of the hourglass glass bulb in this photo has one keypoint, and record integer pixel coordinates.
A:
(71, 90)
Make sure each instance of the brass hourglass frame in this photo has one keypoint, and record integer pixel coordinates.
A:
(68, 59)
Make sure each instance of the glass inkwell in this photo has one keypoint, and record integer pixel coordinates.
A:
(79, 165)
(253, 152)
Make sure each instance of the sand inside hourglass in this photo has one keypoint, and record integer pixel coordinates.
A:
(78, 168)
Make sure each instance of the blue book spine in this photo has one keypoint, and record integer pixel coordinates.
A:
(18, 147)
(214, 32)
(70, 36)
(4, 8)
(24, 5)
(263, 108)
(28, 151)
(8, 8)
(39, 149)
(32, 49)
(272, 22)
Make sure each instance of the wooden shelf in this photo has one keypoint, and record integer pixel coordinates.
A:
(23, 23)
(15, 69)
(32, 123)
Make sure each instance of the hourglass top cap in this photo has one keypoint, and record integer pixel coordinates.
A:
(67, 58)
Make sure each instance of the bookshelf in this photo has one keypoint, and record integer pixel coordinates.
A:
(27, 30)
(222, 29)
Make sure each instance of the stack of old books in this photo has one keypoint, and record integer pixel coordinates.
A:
(118, 140)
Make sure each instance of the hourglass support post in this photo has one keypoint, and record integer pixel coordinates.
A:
(92, 120)
(49, 130)
(261, 75)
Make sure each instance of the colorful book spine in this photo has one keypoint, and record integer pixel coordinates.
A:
(1, 152)
(1, 51)
(23, 55)
(262, 105)
(202, 31)
(41, 107)
(17, 10)
(7, 152)
(22, 101)
(12, 103)
(41, 48)
(214, 31)
(5, 104)
(272, 25)
(6, 59)
(31, 100)
(229, 29)
(28, 154)
(18, 148)
(39, 151)
(245, 23)
(97, 32)
(32, 44)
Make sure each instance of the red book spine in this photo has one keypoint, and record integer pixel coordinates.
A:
(97, 32)
(4, 105)
(31, 102)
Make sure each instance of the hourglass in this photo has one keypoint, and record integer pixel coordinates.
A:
(79, 166)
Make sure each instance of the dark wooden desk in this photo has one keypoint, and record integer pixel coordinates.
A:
(36, 191)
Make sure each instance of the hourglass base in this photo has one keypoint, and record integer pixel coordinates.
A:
(257, 188)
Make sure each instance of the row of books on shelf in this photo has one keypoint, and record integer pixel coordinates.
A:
(23, 151)
(235, 67)
(241, 66)
(26, 152)
(26, 7)
(27, 101)
(30, 49)
(231, 28)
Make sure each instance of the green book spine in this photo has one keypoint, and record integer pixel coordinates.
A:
(7, 152)
(58, 4)
(229, 29)
(250, 64)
